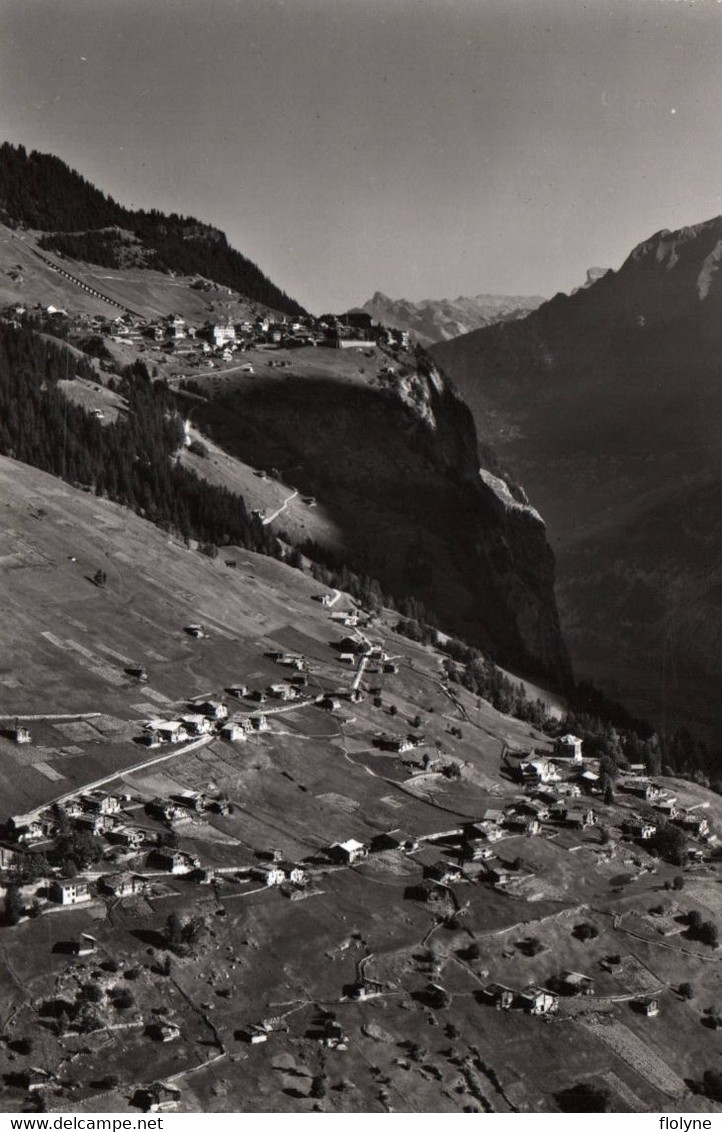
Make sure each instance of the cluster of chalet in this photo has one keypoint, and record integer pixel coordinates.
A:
(123, 328)
(108, 815)
(537, 768)
(557, 784)
(278, 871)
(661, 802)
(209, 717)
(554, 803)
(175, 334)
(215, 342)
(226, 338)
(94, 812)
(538, 1000)
(532, 999)
(353, 649)
(357, 329)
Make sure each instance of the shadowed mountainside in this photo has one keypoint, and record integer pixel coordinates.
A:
(607, 404)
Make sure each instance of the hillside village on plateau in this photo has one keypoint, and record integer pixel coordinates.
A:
(273, 838)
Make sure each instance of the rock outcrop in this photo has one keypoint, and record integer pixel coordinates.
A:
(397, 468)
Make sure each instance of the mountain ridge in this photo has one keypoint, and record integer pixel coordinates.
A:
(431, 320)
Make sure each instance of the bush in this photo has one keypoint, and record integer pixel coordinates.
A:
(184, 936)
(712, 1084)
(584, 932)
(533, 946)
(13, 905)
(121, 998)
(671, 843)
(91, 992)
(109, 1082)
(89, 1022)
(708, 933)
(76, 850)
(319, 1087)
(198, 448)
(585, 1097)
(94, 345)
(686, 990)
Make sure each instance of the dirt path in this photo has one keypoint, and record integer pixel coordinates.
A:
(279, 510)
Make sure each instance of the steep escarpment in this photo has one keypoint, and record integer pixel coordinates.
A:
(396, 466)
(606, 403)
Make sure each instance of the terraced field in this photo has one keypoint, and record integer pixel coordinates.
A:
(314, 777)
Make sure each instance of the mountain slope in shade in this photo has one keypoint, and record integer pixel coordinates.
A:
(436, 320)
(607, 405)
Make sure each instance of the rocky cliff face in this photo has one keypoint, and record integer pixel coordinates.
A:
(436, 320)
(607, 404)
(396, 466)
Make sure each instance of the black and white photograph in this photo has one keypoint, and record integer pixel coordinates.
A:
(360, 561)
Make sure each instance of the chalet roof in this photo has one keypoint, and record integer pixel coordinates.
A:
(534, 991)
(492, 815)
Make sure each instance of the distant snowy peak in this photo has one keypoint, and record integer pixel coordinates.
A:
(438, 320)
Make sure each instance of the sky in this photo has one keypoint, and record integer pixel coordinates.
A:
(423, 148)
